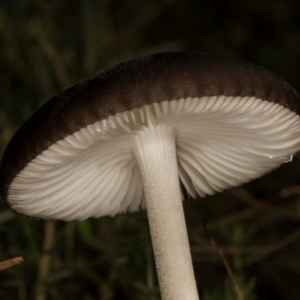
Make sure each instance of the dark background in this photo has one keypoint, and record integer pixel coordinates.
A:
(45, 46)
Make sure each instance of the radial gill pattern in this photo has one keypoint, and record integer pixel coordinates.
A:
(221, 142)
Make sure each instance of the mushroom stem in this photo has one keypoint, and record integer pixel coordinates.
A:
(155, 151)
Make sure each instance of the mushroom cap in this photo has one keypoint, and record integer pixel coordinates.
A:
(233, 120)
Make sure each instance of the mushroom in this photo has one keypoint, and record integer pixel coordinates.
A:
(142, 134)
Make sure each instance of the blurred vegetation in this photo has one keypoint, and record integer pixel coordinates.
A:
(47, 46)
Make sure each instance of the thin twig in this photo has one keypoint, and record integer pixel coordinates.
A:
(290, 191)
(203, 247)
(228, 269)
(10, 262)
(256, 203)
(230, 218)
(217, 249)
(45, 260)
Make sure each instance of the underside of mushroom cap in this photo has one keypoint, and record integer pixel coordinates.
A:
(221, 142)
(237, 120)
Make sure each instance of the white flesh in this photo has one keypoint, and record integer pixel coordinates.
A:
(155, 151)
